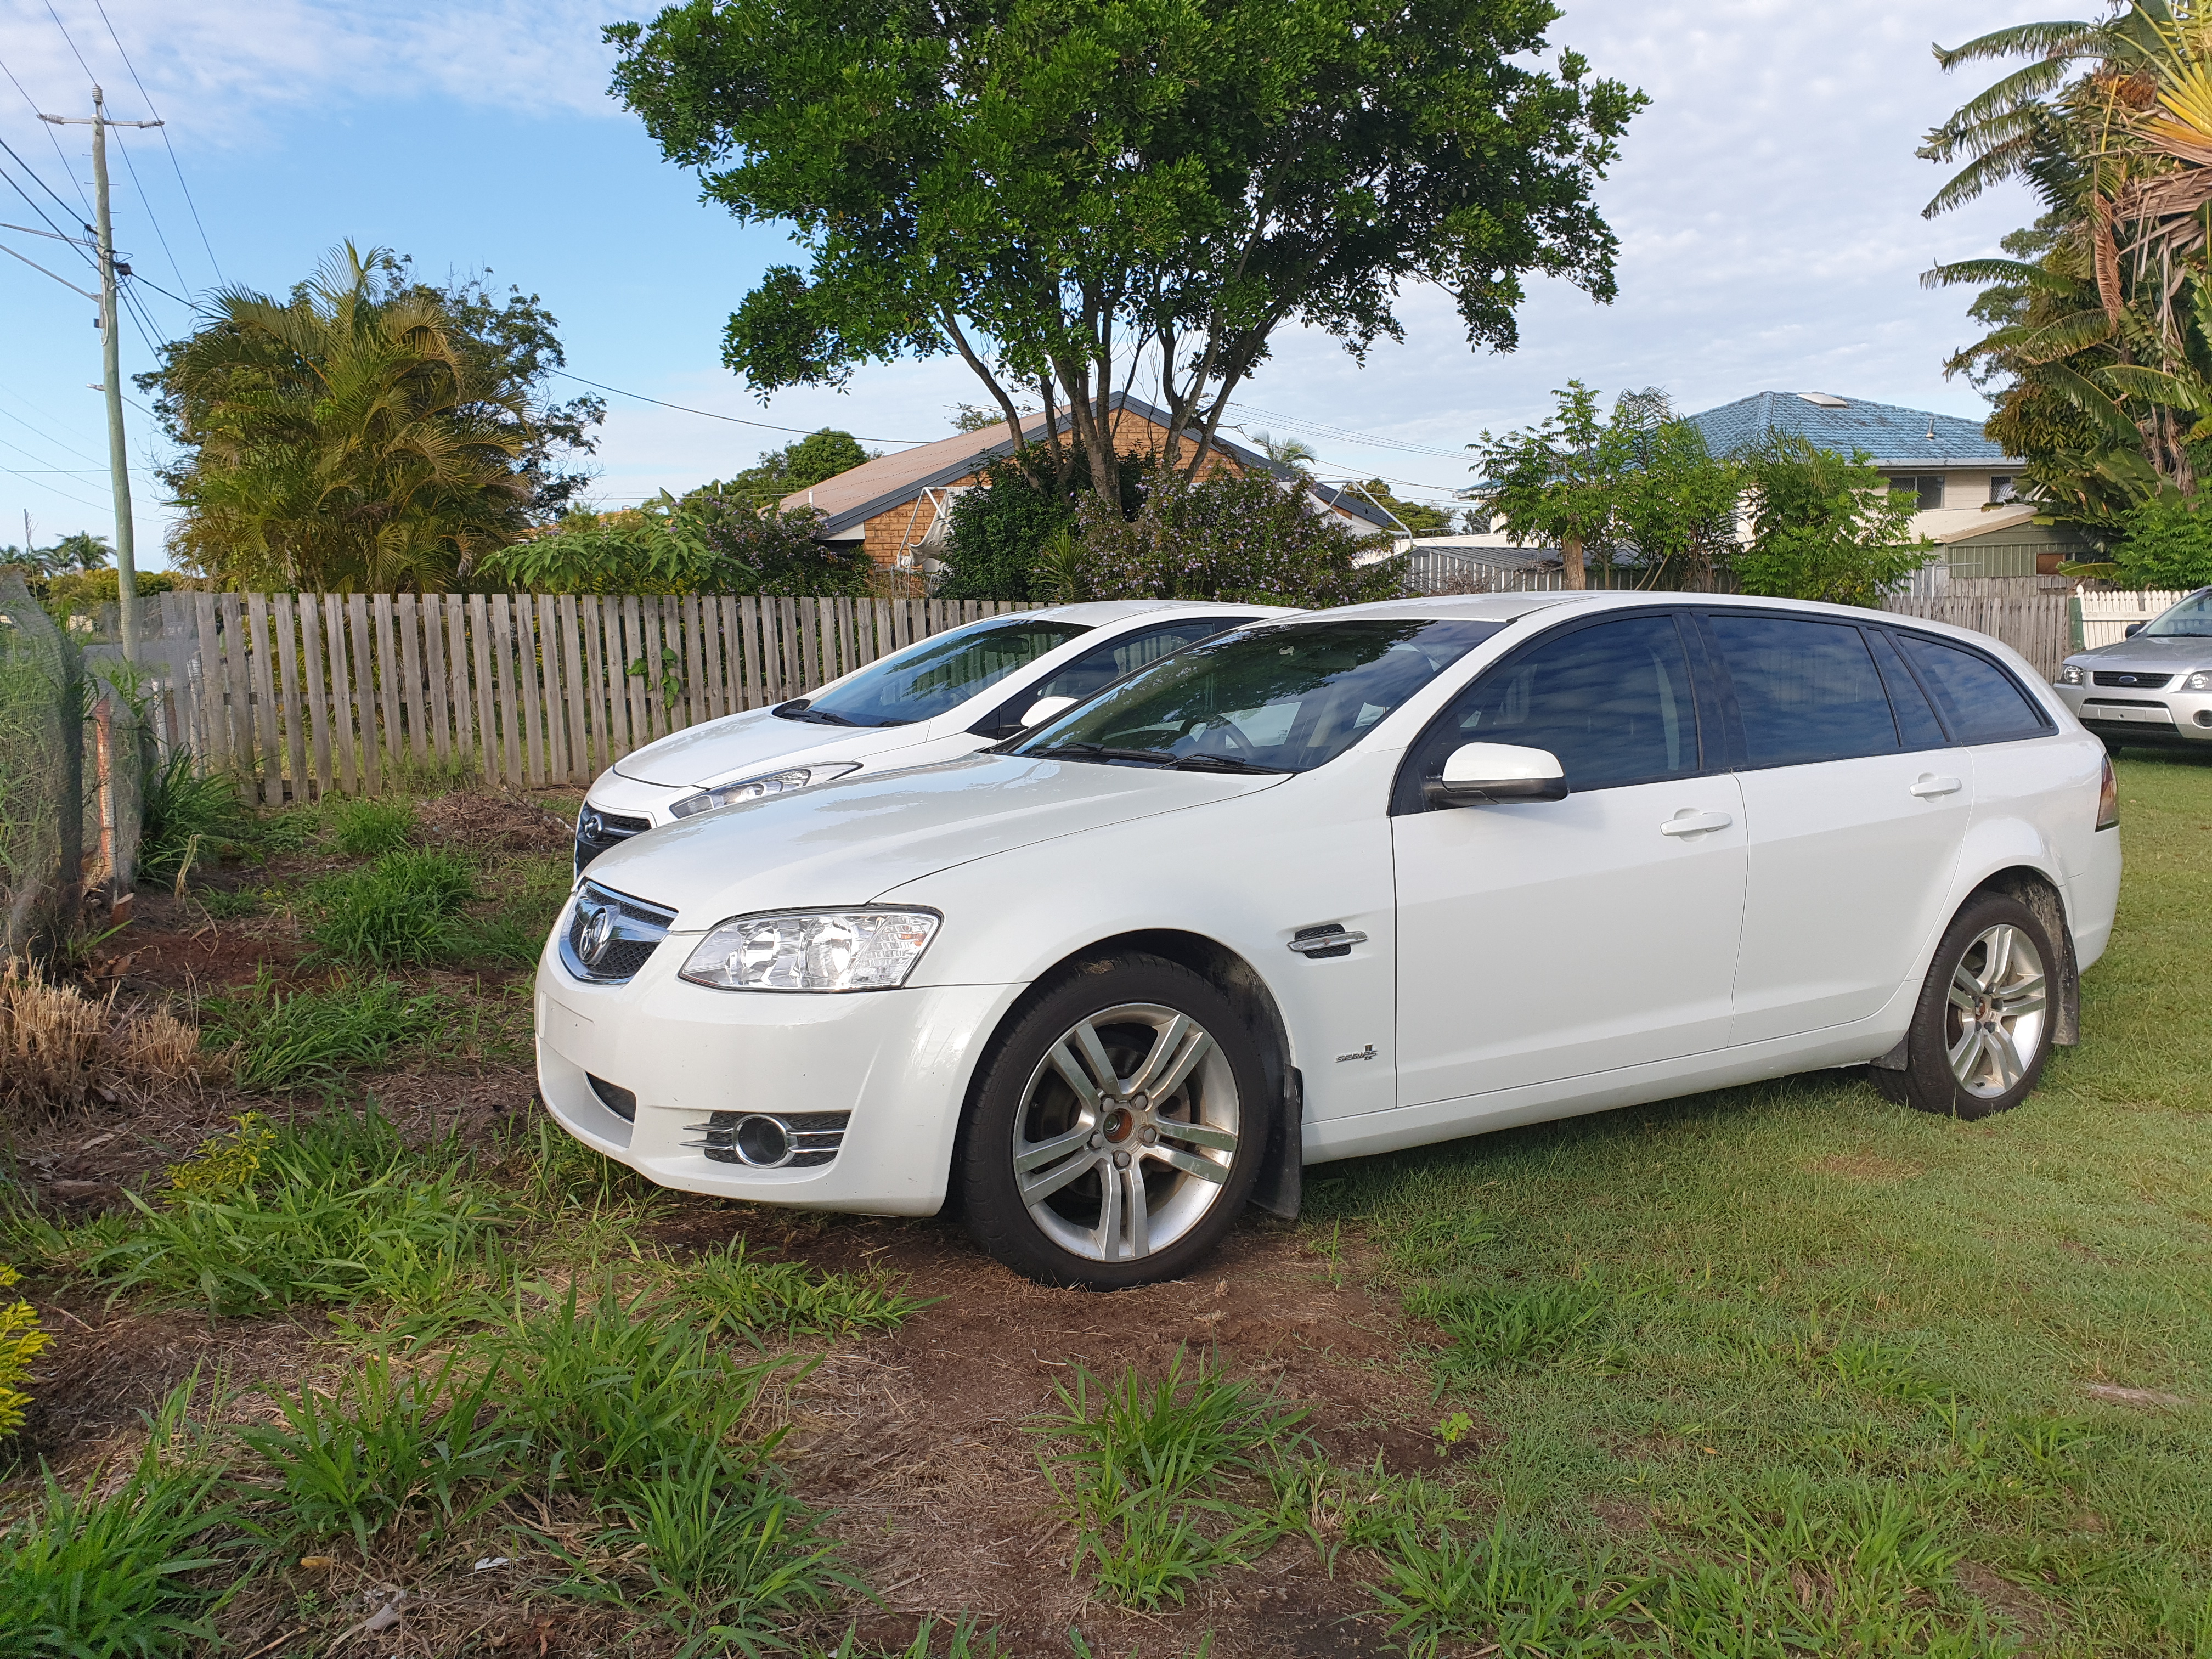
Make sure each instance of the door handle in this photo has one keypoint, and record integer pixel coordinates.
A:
(1929, 788)
(1695, 824)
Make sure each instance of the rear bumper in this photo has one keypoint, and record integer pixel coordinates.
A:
(898, 1062)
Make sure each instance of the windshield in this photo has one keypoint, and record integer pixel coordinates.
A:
(924, 680)
(2190, 619)
(1280, 699)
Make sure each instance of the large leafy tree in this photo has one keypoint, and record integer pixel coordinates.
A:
(805, 461)
(1068, 193)
(368, 432)
(1825, 526)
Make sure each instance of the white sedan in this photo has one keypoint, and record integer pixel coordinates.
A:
(947, 696)
(1357, 880)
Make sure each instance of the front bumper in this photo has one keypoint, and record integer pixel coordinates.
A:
(2132, 715)
(897, 1061)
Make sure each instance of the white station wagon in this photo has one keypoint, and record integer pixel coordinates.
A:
(1348, 882)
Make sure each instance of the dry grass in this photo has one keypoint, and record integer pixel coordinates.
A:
(59, 1048)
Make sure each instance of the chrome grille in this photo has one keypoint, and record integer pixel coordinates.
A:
(597, 832)
(610, 934)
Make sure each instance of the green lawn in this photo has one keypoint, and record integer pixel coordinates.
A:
(1790, 1369)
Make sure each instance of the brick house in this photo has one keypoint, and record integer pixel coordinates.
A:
(897, 506)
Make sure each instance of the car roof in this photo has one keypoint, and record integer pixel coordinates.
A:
(1097, 613)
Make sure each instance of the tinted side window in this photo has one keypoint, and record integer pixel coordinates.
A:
(1916, 720)
(1980, 700)
(1612, 701)
(1103, 664)
(1804, 691)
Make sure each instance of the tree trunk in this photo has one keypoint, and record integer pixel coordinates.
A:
(1571, 560)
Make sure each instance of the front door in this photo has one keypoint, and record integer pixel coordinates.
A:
(1540, 940)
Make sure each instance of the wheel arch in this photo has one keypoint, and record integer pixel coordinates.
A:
(2043, 896)
(1276, 1189)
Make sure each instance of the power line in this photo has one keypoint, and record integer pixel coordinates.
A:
(48, 436)
(42, 484)
(32, 174)
(174, 162)
(803, 431)
(1373, 439)
(147, 202)
(52, 138)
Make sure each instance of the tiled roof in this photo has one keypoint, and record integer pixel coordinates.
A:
(859, 492)
(1891, 434)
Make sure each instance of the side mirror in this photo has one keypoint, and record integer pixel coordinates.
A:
(1476, 774)
(1045, 709)
(2134, 628)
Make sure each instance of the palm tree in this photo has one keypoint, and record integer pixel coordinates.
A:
(2111, 123)
(346, 438)
(1285, 452)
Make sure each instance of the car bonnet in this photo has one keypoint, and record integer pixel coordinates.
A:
(719, 750)
(848, 842)
(2154, 654)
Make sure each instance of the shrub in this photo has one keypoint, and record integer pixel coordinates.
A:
(363, 828)
(281, 1040)
(227, 1164)
(1221, 538)
(2168, 543)
(20, 1342)
(403, 909)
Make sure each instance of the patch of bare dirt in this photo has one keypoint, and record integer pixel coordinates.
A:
(2021, 1606)
(920, 1445)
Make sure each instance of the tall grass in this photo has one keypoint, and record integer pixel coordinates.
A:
(403, 910)
(365, 826)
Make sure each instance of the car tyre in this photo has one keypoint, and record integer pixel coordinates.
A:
(1982, 1029)
(1075, 1167)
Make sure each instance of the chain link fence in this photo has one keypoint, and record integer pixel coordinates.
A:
(75, 755)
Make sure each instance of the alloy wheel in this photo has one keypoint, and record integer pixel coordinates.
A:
(1994, 1028)
(1127, 1133)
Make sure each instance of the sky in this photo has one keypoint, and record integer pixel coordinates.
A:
(1767, 204)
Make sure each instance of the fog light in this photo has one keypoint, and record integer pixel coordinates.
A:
(2205, 717)
(762, 1141)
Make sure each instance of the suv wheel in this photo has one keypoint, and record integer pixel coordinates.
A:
(1116, 1129)
(1982, 1031)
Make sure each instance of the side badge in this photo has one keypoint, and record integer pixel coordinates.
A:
(1368, 1053)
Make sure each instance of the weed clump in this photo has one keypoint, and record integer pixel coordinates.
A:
(738, 1293)
(338, 1211)
(189, 818)
(361, 827)
(404, 909)
(279, 1040)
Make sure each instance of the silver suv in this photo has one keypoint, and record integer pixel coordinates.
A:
(2153, 687)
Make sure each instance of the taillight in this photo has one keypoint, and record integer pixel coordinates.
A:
(2108, 799)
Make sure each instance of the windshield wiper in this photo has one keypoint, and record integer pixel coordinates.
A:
(1101, 751)
(1222, 763)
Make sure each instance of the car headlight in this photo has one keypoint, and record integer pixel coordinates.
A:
(813, 951)
(769, 783)
(2200, 680)
(2072, 674)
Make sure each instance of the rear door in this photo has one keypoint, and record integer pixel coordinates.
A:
(1540, 940)
(1856, 800)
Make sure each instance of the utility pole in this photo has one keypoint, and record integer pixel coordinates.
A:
(119, 455)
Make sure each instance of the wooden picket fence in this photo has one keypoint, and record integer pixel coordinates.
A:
(2038, 625)
(304, 694)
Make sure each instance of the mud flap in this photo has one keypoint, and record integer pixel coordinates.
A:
(1277, 1190)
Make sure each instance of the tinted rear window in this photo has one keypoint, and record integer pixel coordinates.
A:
(1979, 701)
(1804, 691)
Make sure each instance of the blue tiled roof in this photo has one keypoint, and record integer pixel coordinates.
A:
(1891, 434)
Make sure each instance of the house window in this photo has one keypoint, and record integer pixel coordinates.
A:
(1927, 486)
(2001, 488)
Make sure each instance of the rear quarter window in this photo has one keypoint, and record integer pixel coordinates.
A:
(1979, 701)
